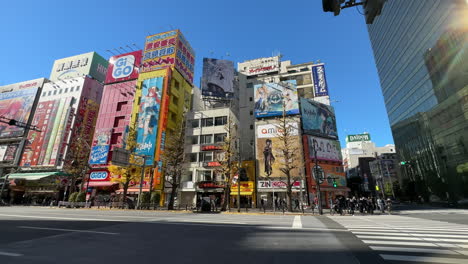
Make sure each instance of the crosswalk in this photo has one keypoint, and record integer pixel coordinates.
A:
(401, 239)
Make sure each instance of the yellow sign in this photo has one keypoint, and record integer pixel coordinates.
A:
(245, 187)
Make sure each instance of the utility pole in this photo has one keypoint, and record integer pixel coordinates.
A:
(141, 181)
(317, 181)
(238, 175)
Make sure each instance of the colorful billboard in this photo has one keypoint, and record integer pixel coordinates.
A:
(271, 98)
(159, 51)
(260, 66)
(270, 153)
(124, 67)
(185, 58)
(218, 77)
(327, 149)
(318, 119)
(148, 117)
(16, 105)
(330, 172)
(320, 82)
(100, 148)
(80, 65)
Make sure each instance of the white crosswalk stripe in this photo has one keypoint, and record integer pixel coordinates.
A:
(401, 239)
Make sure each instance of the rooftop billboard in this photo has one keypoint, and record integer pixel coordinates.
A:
(318, 119)
(218, 78)
(124, 67)
(272, 98)
(80, 65)
(260, 66)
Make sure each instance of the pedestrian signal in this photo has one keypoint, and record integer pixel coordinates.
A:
(335, 184)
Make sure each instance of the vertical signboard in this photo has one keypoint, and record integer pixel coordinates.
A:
(320, 82)
(185, 58)
(272, 98)
(148, 117)
(318, 119)
(218, 77)
(100, 148)
(124, 67)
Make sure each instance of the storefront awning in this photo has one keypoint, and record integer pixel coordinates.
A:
(100, 183)
(34, 175)
(241, 193)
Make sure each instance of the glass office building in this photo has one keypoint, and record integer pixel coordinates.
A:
(421, 52)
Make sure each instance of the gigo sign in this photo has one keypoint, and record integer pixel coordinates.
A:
(98, 175)
(357, 138)
(123, 67)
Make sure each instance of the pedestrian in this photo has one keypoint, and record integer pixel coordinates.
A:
(297, 204)
(276, 202)
(381, 205)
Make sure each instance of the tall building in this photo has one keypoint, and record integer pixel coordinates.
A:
(163, 94)
(18, 102)
(113, 120)
(66, 115)
(422, 59)
(266, 86)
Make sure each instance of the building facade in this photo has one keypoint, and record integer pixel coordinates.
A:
(421, 56)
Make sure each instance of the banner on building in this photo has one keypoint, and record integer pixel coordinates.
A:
(100, 147)
(17, 105)
(318, 119)
(327, 149)
(270, 154)
(148, 117)
(218, 78)
(271, 99)
(320, 81)
(124, 67)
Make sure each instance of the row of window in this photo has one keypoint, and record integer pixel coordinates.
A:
(60, 91)
(210, 121)
(207, 139)
(205, 156)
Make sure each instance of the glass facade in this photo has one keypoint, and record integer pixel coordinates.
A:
(421, 53)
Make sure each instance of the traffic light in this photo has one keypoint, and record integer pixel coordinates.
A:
(335, 184)
(377, 188)
(332, 6)
(372, 8)
(402, 162)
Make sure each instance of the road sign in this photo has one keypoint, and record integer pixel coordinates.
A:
(120, 157)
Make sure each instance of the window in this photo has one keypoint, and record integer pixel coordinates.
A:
(77, 88)
(60, 91)
(176, 85)
(206, 122)
(120, 105)
(192, 157)
(55, 92)
(49, 93)
(175, 100)
(66, 90)
(251, 112)
(251, 127)
(218, 138)
(250, 99)
(119, 121)
(220, 120)
(44, 93)
(116, 138)
(206, 156)
(193, 140)
(204, 175)
(249, 85)
(173, 116)
(206, 139)
(71, 89)
(195, 123)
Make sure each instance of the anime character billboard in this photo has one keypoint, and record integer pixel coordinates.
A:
(271, 98)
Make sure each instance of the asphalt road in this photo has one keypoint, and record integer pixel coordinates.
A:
(51, 235)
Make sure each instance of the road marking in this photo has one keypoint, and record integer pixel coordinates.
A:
(9, 254)
(65, 218)
(422, 244)
(297, 223)
(419, 250)
(68, 230)
(423, 259)
(411, 234)
(393, 238)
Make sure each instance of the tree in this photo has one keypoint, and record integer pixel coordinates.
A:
(126, 174)
(173, 160)
(227, 159)
(291, 151)
(78, 157)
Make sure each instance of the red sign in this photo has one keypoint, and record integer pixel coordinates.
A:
(209, 184)
(124, 67)
(211, 147)
(212, 164)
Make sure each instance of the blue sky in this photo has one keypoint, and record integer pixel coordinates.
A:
(35, 33)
